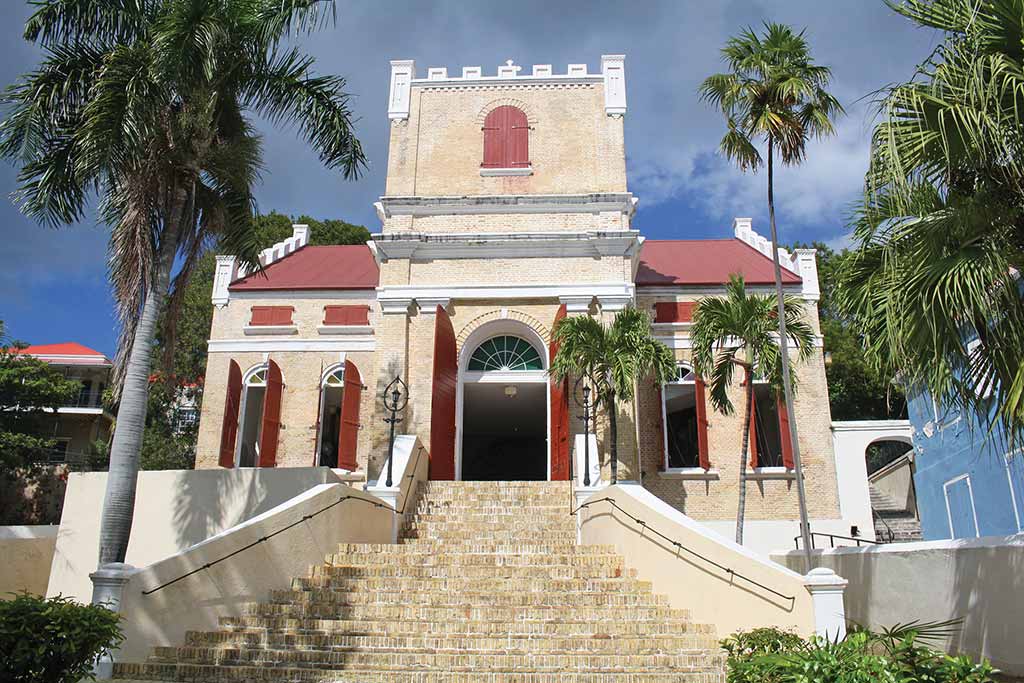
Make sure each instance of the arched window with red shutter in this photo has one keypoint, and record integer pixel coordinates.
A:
(506, 138)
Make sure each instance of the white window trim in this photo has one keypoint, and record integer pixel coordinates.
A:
(690, 474)
(270, 329)
(328, 372)
(494, 172)
(1009, 480)
(345, 329)
(970, 494)
(664, 430)
(765, 473)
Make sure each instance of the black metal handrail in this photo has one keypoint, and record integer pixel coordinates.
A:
(304, 518)
(832, 539)
(679, 546)
(889, 533)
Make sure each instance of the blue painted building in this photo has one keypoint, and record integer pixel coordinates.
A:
(966, 486)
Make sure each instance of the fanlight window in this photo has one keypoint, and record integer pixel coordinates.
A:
(336, 379)
(257, 378)
(505, 353)
(684, 375)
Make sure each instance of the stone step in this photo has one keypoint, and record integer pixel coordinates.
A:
(445, 528)
(462, 584)
(534, 571)
(325, 598)
(484, 559)
(480, 522)
(506, 643)
(568, 627)
(474, 547)
(136, 673)
(438, 661)
(461, 612)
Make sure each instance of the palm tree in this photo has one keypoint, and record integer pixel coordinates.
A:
(613, 359)
(775, 93)
(933, 282)
(147, 104)
(739, 330)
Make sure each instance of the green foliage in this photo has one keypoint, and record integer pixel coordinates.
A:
(739, 330)
(745, 648)
(53, 640)
(773, 92)
(36, 388)
(940, 229)
(894, 655)
(857, 389)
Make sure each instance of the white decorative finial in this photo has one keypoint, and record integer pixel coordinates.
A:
(508, 62)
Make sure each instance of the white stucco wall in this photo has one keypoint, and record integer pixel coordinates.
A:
(980, 580)
(26, 553)
(174, 509)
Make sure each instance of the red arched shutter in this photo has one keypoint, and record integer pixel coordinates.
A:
(753, 433)
(787, 443)
(506, 138)
(559, 436)
(348, 434)
(662, 430)
(519, 139)
(271, 416)
(702, 425)
(442, 400)
(229, 427)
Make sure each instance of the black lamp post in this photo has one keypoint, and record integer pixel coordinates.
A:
(396, 396)
(585, 404)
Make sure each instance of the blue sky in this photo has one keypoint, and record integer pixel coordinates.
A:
(53, 282)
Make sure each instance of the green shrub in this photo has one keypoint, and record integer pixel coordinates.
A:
(745, 648)
(53, 640)
(893, 655)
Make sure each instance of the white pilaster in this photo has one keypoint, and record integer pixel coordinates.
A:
(399, 96)
(108, 584)
(807, 262)
(613, 68)
(826, 589)
(222, 276)
(613, 304)
(576, 304)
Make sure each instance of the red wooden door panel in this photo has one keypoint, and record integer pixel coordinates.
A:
(519, 139)
(787, 443)
(559, 437)
(442, 399)
(495, 138)
(229, 427)
(702, 425)
(662, 436)
(348, 435)
(271, 416)
(753, 432)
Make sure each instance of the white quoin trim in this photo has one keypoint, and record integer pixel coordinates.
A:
(402, 73)
(613, 67)
(827, 589)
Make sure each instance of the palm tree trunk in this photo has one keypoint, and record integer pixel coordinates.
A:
(787, 387)
(613, 434)
(741, 509)
(119, 501)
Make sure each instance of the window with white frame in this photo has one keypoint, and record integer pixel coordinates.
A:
(679, 403)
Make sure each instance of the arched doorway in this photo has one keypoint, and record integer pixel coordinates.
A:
(503, 405)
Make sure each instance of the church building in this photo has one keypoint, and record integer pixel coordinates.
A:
(506, 208)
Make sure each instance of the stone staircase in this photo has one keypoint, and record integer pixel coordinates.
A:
(891, 518)
(487, 584)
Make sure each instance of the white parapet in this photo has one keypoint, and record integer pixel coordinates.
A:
(613, 67)
(803, 262)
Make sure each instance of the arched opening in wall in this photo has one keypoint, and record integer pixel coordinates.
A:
(767, 435)
(883, 452)
(254, 391)
(332, 390)
(682, 433)
(504, 410)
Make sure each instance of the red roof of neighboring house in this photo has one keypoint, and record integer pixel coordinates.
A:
(76, 354)
(704, 262)
(324, 267)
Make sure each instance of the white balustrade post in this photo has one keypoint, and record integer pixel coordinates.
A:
(827, 589)
(108, 584)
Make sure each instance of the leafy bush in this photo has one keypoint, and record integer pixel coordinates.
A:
(893, 655)
(53, 640)
(744, 650)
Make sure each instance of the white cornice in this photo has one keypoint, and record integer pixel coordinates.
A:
(597, 202)
(366, 294)
(396, 297)
(281, 345)
(684, 342)
(506, 245)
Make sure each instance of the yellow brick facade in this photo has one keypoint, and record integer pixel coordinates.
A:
(576, 151)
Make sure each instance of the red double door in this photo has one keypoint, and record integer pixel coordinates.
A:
(442, 406)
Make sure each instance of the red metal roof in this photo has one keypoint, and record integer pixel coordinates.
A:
(66, 353)
(704, 262)
(323, 267)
